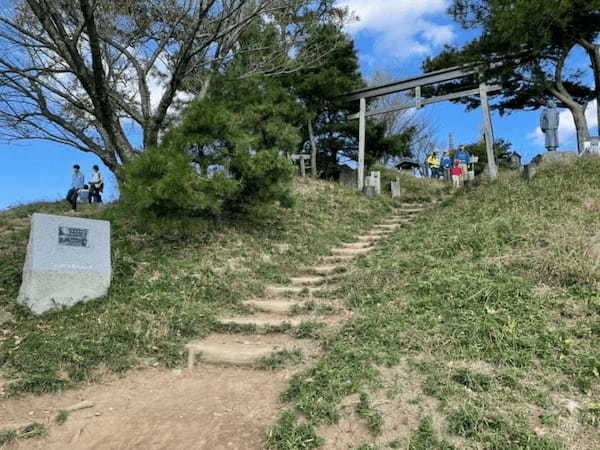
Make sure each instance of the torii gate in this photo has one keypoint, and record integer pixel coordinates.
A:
(416, 83)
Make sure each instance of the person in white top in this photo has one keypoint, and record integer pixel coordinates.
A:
(96, 185)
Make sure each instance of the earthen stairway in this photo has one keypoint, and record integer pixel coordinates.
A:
(261, 333)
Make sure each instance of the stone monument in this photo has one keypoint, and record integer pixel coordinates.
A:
(67, 262)
(374, 180)
(395, 187)
(549, 123)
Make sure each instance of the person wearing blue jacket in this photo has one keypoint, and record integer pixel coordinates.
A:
(446, 164)
(463, 157)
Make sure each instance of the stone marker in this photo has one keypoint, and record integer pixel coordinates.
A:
(396, 188)
(375, 181)
(67, 262)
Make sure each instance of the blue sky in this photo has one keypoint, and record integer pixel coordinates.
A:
(392, 36)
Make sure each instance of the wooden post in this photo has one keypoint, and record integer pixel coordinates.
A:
(489, 134)
(302, 167)
(313, 150)
(418, 100)
(362, 128)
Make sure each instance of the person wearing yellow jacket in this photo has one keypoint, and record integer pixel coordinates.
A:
(433, 161)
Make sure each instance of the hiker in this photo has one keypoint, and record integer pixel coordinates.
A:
(456, 171)
(433, 160)
(446, 164)
(77, 183)
(464, 158)
(96, 185)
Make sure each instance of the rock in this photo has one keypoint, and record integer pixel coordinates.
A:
(67, 262)
(547, 158)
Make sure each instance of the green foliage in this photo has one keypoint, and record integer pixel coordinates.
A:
(527, 38)
(241, 125)
(281, 359)
(161, 181)
(32, 431)
(501, 150)
(320, 89)
(61, 417)
(374, 419)
(425, 438)
(288, 435)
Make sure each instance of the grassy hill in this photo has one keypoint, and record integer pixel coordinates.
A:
(476, 328)
(171, 278)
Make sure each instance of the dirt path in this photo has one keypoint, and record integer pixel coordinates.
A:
(207, 408)
(204, 406)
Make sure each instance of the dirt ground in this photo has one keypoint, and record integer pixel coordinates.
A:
(207, 408)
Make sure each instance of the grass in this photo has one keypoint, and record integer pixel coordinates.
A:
(31, 431)
(171, 279)
(492, 301)
(280, 359)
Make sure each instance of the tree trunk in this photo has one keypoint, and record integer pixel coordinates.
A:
(313, 150)
(581, 126)
(593, 52)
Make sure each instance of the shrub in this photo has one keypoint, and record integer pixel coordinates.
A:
(161, 182)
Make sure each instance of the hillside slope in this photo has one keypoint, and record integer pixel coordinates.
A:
(476, 328)
(171, 279)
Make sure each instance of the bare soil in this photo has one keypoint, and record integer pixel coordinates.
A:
(207, 408)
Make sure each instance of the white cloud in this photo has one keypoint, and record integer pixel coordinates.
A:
(567, 132)
(401, 28)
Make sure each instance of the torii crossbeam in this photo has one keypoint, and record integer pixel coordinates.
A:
(416, 83)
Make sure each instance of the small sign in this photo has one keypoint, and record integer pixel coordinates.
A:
(73, 237)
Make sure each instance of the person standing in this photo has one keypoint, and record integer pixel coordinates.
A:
(96, 185)
(77, 183)
(464, 158)
(446, 165)
(433, 160)
(457, 173)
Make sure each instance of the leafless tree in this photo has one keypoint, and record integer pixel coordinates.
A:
(77, 72)
(398, 122)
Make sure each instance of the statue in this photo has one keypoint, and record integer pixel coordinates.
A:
(549, 123)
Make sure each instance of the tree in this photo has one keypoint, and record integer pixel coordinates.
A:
(74, 71)
(241, 125)
(525, 46)
(501, 150)
(326, 130)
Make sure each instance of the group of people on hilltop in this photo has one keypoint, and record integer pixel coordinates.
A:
(93, 188)
(453, 166)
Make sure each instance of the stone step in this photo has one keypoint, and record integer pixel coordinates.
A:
(308, 280)
(337, 258)
(262, 322)
(281, 290)
(380, 233)
(351, 251)
(328, 269)
(367, 238)
(412, 210)
(359, 244)
(276, 305)
(386, 226)
(398, 219)
(230, 353)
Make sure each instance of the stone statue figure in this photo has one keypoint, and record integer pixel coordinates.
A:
(549, 123)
